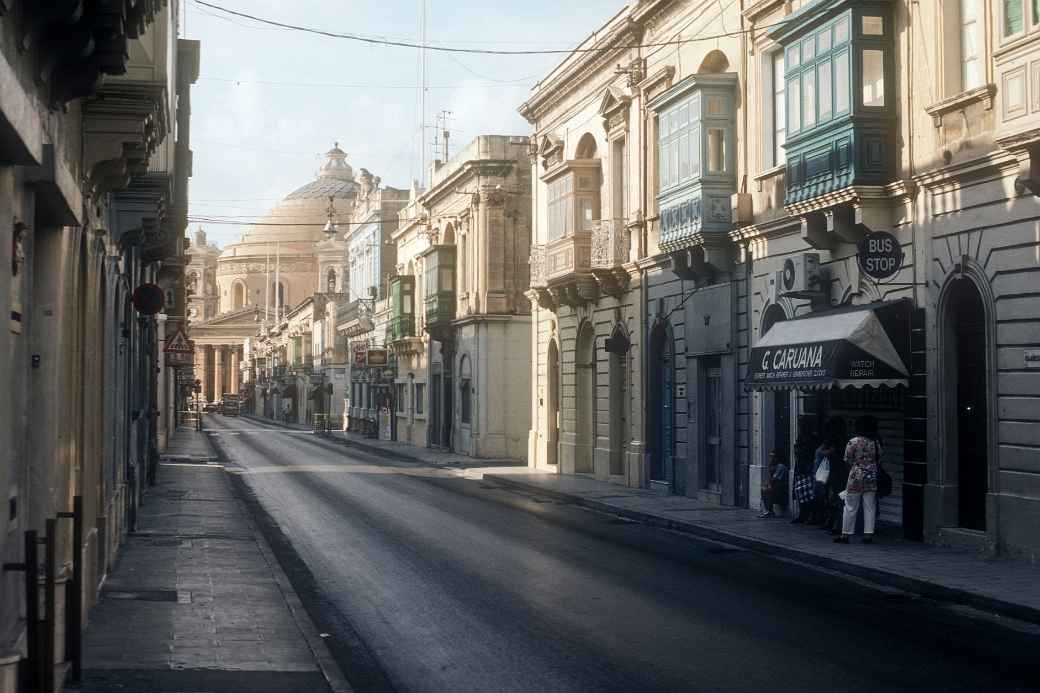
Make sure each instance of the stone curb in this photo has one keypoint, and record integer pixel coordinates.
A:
(328, 666)
(878, 575)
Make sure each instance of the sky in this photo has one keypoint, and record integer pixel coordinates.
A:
(269, 102)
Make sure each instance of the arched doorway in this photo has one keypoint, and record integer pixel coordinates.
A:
(618, 408)
(776, 406)
(965, 369)
(585, 399)
(552, 405)
(661, 413)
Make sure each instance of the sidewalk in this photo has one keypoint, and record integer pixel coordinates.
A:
(1006, 586)
(197, 600)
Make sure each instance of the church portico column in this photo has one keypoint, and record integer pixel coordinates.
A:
(218, 372)
(207, 375)
(235, 361)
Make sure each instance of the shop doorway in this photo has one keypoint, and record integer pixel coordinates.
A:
(585, 399)
(435, 407)
(776, 405)
(966, 372)
(553, 405)
(662, 407)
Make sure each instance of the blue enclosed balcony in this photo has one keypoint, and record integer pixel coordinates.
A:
(838, 85)
(696, 156)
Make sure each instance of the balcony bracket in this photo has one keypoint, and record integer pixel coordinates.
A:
(1028, 179)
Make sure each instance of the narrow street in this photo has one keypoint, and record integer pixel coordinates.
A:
(426, 580)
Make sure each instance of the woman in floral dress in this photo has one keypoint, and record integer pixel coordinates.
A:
(861, 455)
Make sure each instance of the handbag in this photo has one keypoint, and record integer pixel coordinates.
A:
(823, 472)
(804, 489)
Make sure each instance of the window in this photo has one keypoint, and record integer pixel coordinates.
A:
(400, 396)
(559, 206)
(466, 390)
(809, 98)
(466, 401)
(971, 44)
(330, 282)
(716, 150)
(826, 90)
(779, 114)
(1014, 17)
(794, 103)
(680, 142)
(841, 83)
(873, 77)
(420, 398)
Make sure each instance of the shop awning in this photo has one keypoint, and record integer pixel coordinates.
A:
(849, 348)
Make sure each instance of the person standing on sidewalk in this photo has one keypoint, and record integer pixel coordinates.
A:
(775, 490)
(861, 455)
(804, 466)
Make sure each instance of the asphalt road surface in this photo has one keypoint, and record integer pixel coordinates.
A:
(426, 580)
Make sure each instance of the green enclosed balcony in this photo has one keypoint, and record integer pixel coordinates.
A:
(402, 301)
(838, 85)
(440, 289)
(696, 159)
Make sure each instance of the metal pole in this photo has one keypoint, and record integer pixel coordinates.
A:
(32, 609)
(49, 605)
(74, 593)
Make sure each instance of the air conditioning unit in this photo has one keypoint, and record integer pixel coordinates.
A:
(801, 277)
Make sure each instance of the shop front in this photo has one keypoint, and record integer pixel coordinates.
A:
(827, 368)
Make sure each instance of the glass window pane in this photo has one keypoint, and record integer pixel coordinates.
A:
(665, 183)
(716, 150)
(841, 31)
(1013, 20)
(873, 77)
(841, 83)
(794, 103)
(873, 26)
(674, 173)
(971, 75)
(684, 156)
(684, 115)
(695, 151)
(809, 98)
(825, 40)
(826, 90)
(808, 49)
(793, 57)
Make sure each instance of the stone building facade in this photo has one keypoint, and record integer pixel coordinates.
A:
(94, 166)
(282, 260)
(785, 168)
(460, 319)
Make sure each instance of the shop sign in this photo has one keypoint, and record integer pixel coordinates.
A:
(377, 357)
(880, 255)
(1032, 358)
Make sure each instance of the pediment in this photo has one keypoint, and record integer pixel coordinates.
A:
(550, 150)
(612, 99)
(242, 316)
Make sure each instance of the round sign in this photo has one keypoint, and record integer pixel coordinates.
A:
(148, 299)
(880, 255)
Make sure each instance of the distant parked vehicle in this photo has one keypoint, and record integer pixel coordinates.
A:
(230, 405)
(211, 407)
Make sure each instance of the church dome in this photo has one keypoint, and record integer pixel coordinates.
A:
(335, 179)
(301, 214)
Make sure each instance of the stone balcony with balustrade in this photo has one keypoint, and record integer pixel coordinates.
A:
(581, 266)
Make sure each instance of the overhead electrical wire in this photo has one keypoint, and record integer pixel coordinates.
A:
(333, 85)
(374, 40)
